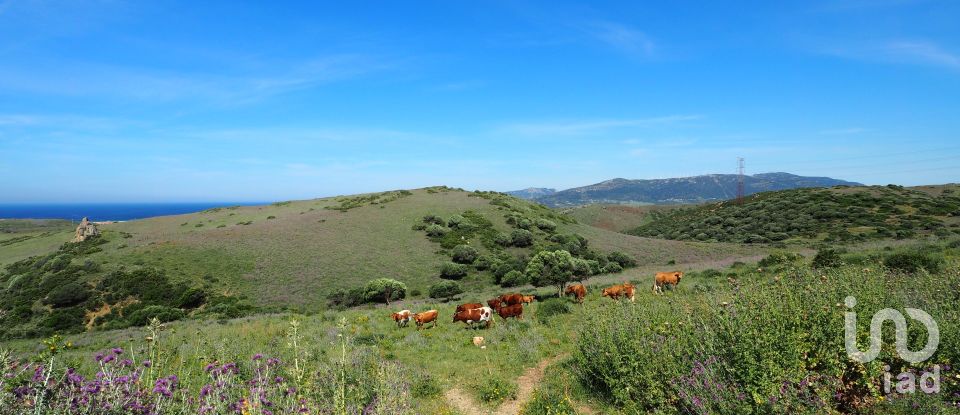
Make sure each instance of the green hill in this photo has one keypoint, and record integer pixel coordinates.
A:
(228, 261)
(617, 218)
(841, 214)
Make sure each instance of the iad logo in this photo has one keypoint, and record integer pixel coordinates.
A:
(929, 381)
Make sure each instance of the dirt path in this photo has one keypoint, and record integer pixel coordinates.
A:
(526, 384)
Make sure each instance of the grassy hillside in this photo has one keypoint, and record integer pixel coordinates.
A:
(228, 261)
(616, 218)
(772, 340)
(840, 214)
(22, 238)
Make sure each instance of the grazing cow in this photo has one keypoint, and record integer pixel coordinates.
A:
(515, 311)
(511, 299)
(425, 317)
(625, 290)
(613, 291)
(578, 291)
(468, 306)
(402, 317)
(666, 278)
(527, 299)
(476, 315)
(494, 303)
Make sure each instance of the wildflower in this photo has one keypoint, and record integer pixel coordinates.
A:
(147, 363)
(257, 356)
(117, 351)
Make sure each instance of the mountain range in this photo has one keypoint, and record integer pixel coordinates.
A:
(681, 190)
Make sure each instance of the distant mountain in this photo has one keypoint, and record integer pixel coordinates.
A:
(532, 193)
(696, 189)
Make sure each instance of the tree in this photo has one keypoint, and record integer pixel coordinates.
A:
(465, 254)
(384, 289)
(552, 268)
(445, 290)
(453, 271)
(625, 261)
(514, 278)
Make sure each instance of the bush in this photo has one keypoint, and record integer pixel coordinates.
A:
(445, 290)
(465, 254)
(514, 278)
(521, 238)
(912, 262)
(545, 225)
(455, 221)
(436, 231)
(426, 386)
(827, 258)
(192, 298)
(453, 271)
(165, 314)
(552, 307)
(495, 389)
(384, 290)
(68, 295)
(484, 262)
(502, 239)
(625, 261)
(780, 258)
(434, 219)
(612, 268)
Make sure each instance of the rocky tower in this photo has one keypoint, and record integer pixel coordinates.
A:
(86, 230)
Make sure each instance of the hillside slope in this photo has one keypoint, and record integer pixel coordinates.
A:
(616, 218)
(683, 190)
(837, 214)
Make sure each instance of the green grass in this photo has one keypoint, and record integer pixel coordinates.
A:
(23, 238)
(616, 218)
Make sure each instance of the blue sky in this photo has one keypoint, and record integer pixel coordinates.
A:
(223, 101)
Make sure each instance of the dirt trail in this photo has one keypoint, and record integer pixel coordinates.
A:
(526, 384)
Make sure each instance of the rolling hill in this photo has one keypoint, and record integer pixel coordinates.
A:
(292, 255)
(683, 190)
(840, 214)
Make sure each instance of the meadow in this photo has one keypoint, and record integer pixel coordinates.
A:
(744, 339)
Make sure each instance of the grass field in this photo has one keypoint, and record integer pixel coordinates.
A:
(616, 218)
(21, 238)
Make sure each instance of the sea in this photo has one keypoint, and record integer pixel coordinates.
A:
(107, 211)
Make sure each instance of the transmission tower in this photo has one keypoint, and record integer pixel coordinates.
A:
(739, 180)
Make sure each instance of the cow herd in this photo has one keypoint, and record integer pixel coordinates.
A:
(511, 305)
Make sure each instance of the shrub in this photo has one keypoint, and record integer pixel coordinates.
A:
(68, 295)
(495, 389)
(914, 261)
(445, 290)
(514, 278)
(521, 238)
(426, 386)
(502, 239)
(612, 268)
(434, 219)
(552, 307)
(827, 258)
(551, 268)
(385, 290)
(780, 258)
(545, 225)
(465, 254)
(625, 261)
(453, 271)
(436, 231)
(192, 298)
(163, 313)
(455, 221)
(483, 262)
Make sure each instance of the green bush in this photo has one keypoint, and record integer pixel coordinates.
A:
(514, 278)
(445, 290)
(426, 385)
(165, 314)
(827, 258)
(545, 225)
(493, 390)
(521, 238)
(484, 262)
(780, 258)
(465, 254)
(455, 221)
(552, 307)
(612, 268)
(625, 261)
(68, 295)
(434, 219)
(914, 262)
(384, 290)
(453, 271)
(436, 231)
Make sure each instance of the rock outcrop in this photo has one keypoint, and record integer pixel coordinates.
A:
(86, 230)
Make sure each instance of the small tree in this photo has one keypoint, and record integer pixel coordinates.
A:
(514, 279)
(384, 289)
(445, 290)
(552, 268)
(436, 231)
(465, 254)
(625, 261)
(453, 271)
(521, 237)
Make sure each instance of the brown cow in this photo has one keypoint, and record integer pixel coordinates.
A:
(494, 303)
(468, 306)
(527, 299)
(402, 317)
(425, 317)
(515, 310)
(578, 291)
(511, 299)
(625, 290)
(476, 315)
(666, 278)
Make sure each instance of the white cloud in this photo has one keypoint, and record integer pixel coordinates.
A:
(621, 37)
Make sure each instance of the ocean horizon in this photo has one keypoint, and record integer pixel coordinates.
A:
(107, 211)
